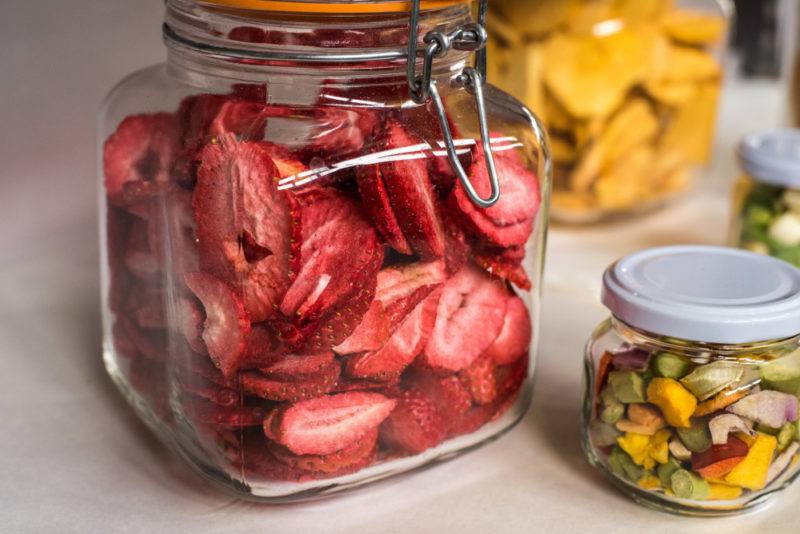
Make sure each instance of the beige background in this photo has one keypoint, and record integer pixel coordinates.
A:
(73, 459)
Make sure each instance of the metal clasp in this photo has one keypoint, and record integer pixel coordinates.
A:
(470, 37)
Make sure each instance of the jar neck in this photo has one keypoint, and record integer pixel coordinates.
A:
(699, 349)
(245, 46)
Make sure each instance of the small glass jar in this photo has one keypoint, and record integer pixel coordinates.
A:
(691, 387)
(627, 89)
(766, 199)
(301, 293)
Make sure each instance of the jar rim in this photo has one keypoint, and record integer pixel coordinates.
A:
(330, 6)
(772, 157)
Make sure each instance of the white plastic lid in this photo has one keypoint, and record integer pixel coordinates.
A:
(707, 294)
(772, 157)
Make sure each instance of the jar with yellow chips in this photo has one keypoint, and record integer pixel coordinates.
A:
(627, 89)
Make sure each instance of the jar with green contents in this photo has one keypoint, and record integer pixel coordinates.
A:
(691, 387)
(767, 197)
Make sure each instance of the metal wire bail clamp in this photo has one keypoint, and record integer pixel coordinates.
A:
(471, 37)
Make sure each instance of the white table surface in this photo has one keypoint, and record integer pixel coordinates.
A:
(74, 459)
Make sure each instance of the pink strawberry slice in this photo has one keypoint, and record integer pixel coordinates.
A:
(469, 318)
(402, 347)
(451, 396)
(414, 425)
(300, 366)
(411, 193)
(190, 321)
(142, 149)
(280, 388)
(510, 221)
(327, 424)
(399, 290)
(514, 339)
(204, 411)
(347, 460)
(505, 263)
(246, 227)
(227, 325)
(479, 378)
(378, 206)
(340, 253)
(339, 323)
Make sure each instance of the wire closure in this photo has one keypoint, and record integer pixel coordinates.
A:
(469, 37)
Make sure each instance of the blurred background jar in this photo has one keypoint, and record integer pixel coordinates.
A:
(628, 90)
(767, 196)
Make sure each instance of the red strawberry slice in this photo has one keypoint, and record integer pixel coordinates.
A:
(399, 290)
(139, 257)
(338, 132)
(171, 231)
(347, 460)
(263, 346)
(510, 221)
(340, 253)
(300, 367)
(505, 263)
(480, 379)
(227, 325)
(515, 337)
(327, 424)
(402, 347)
(510, 379)
(379, 208)
(142, 149)
(221, 396)
(414, 425)
(471, 420)
(247, 229)
(451, 396)
(411, 193)
(190, 323)
(284, 161)
(469, 318)
(457, 251)
(210, 413)
(387, 387)
(336, 325)
(290, 389)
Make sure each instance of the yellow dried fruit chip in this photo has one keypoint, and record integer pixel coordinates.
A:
(694, 28)
(681, 63)
(626, 182)
(641, 10)
(561, 149)
(585, 16)
(535, 18)
(670, 93)
(690, 131)
(591, 75)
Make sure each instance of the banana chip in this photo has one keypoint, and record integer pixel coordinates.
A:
(690, 131)
(681, 63)
(625, 183)
(693, 28)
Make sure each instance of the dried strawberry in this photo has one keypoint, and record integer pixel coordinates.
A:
(510, 221)
(411, 194)
(347, 460)
(204, 411)
(471, 420)
(510, 379)
(263, 346)
(227, 325)
(451, 396)
(300, 366)
(378, 206)
(327, 424)
(247, 229)
(515, 337)
(221, 396)
(480, 379)
(171, 231)
(338, 324)
(414, 425)
(399, 290)
(142, 149)
(387, 387)
(150, 344)
(284, 161)
(505, 263)
(338, 132)
(190, 323)
(290, 390)
(139, 257)
(469, 318)
(456, 251)
(401, 348)
(339, 253)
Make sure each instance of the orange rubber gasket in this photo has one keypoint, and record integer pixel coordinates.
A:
(290, 6)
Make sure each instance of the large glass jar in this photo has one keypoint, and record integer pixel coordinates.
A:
(627, 89)
(300, 292)
(766, 199)
(691, 387)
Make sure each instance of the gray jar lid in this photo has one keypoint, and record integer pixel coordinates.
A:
(707, 294)
(772, 157)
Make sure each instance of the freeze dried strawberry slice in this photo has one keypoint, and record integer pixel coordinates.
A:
(171, 231)
(341, 462)
(190, 323)
(505, 265)
(338, 324)
(338, 132)
(340, 252)
(142, 149)
(207, 412)
(227, 325)
(469, 318)
(284, 161)
(402, 347)
(378, 206)
(221, 396)
(387, 387)
(327, 424)
(414, 425)
(263, 346)
(479, 378)
(399, 290)
(411, 193)
(247, 229)
(510, 221)
(451, 396)
(139, 257)
(290, 389)
(471, 420)
(300, 366)
(515, 337)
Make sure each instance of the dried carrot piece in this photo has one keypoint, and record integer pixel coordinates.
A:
(721, 400)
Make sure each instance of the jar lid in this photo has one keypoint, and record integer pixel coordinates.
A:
(772, 157)
(332, 6)
(706, 294)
